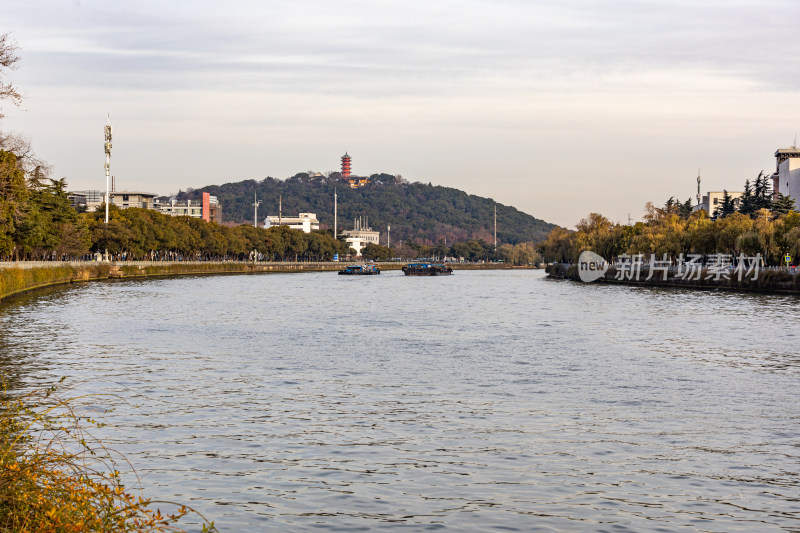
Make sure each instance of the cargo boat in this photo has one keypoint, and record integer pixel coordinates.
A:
(422, 268)
(360, 270)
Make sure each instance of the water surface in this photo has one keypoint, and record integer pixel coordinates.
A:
(487, 400)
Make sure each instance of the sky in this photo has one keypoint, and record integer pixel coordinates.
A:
(558, 108)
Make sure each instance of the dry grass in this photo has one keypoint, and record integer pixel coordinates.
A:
(56, 477)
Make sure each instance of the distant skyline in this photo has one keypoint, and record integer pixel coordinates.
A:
(558, 109)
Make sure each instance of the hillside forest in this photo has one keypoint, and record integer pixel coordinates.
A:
(422, 213)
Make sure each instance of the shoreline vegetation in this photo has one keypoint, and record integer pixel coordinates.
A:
(757, 223)
(55, 476)
(757, 229)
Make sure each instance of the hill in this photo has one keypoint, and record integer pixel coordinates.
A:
(423, 213)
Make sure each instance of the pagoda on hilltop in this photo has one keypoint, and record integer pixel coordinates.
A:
(345, 167)
(354, 181)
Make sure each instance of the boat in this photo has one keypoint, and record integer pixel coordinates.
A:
(427, 268)
(360, 270)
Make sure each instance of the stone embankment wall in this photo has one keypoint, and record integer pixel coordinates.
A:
(18, 277)
(776, 280)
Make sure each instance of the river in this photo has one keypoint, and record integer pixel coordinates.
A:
(482, 401)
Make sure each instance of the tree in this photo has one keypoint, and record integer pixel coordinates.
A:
(13, 201)
(729, 230)
(558, 247)
(8, 61)
(765, 228)
(782, 205)
(376, 252)
(701, 233)
(747, 204)
(762, 192)
(460, 250)
(727, 207)
(686, 209)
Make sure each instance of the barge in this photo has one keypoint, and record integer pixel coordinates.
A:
(360, 270)
(422, 268)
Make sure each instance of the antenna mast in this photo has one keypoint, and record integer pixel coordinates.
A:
(256, 203)
(698, 186)
(108, 161)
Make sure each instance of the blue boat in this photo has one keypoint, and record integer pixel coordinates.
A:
(360, 270)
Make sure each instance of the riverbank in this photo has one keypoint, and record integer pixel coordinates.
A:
(768, 280)
(17, 278)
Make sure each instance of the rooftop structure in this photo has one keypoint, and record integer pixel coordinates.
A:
(126, 199)
(307, 222)
(91, 199)
(208, 207)
(786, 179)
(360, 236)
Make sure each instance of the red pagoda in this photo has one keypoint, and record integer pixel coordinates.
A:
(345, 166)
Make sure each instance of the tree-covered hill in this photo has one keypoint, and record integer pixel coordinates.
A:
(415, 211)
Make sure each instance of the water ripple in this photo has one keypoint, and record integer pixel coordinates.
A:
(491, 401)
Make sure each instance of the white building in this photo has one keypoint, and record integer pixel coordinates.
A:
(122, 199)
(91, 199)
(126, 199)
(359, 237)
(307, 222)
(181, 208)
(713, 200)
(786, 179)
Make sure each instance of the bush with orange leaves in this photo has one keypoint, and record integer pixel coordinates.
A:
(56, 477)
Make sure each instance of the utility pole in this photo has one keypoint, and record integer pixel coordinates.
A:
(280, 209)
(388, 235)
(335, 235)
(495, 227)
(256, 203)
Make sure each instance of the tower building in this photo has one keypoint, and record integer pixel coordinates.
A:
(345, 166)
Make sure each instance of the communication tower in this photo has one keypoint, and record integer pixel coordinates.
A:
(108, 161)
(698, 186)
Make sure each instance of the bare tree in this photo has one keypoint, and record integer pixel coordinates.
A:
(8, 61)
(35, 168)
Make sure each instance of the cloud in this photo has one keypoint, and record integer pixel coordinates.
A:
(389, 47)
(513, 99)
